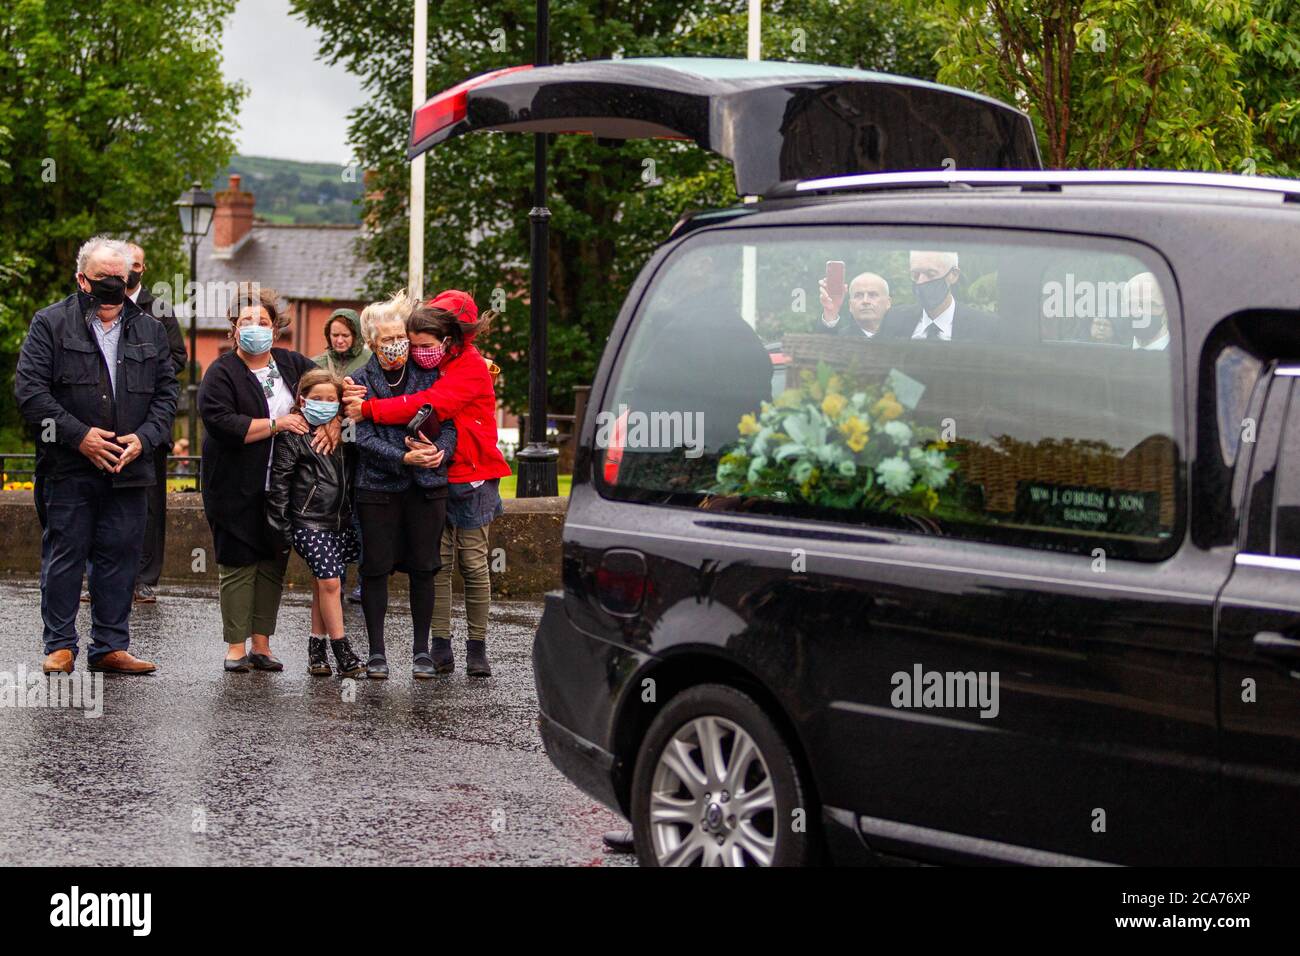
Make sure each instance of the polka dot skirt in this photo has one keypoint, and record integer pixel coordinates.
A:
(327, 553)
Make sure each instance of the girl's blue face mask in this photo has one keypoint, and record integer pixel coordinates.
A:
(318, 412)
(255, 339)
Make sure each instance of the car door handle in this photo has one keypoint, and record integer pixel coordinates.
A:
(1273, 644)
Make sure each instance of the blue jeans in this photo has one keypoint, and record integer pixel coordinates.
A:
(88, 519)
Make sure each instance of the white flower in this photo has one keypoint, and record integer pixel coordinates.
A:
(933, 468)
(896, 475)
(899, 432)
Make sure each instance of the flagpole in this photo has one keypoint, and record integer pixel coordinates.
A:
(419, 71)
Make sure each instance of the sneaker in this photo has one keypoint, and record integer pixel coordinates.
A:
(354, 596)
(476, 662)
(318, 659)
(349, 664)
(444, 659)
(145, 594)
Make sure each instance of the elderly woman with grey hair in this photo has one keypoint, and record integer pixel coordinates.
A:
(94, 378)
(401, 486)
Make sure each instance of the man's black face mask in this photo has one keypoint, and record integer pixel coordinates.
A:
(110, 290)
(133, 279)
(931, 294)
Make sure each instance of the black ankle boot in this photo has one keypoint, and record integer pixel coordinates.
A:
(318, 660)
(476, 662)
(444, 659)
(349, 664)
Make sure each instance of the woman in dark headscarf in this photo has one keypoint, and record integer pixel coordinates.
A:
(345, 352)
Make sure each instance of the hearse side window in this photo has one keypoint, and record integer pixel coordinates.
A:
(1286, 512)
(992, 386)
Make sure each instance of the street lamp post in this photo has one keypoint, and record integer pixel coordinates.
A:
(196, 207)
(538, 462)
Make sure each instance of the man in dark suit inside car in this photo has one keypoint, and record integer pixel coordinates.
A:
(938, 316)
(869, 303)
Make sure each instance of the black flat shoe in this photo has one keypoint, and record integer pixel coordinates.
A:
(377, 667)
(476, 662)
(619, 841)
(239, 665)
(444, 659)
(422, 667)
(264, 662)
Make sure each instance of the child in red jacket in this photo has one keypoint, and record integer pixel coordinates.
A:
(463, 393)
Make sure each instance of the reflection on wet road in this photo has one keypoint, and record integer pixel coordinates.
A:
(197, 766)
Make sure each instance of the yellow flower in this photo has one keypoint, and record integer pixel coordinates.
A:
(790, 398)
(834, 384)
(833, 404)
(748, 425)
(855, 432)
(938, 445)
(888, 408)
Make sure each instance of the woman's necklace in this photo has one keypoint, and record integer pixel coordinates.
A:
(401, 378)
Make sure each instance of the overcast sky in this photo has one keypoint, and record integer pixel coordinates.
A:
(296, 106)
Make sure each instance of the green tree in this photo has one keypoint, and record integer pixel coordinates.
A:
(1110, 83)
(110, 113)
(1268, 44)
(606, 218)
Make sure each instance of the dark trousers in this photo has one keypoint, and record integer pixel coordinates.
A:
(89, 521)
(155, 527)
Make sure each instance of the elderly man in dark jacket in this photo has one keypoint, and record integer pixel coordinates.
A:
(155, 529)
(95, 381)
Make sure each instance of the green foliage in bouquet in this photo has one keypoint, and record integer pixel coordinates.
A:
(821, 444)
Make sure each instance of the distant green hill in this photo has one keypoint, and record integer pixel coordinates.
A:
(288, 191)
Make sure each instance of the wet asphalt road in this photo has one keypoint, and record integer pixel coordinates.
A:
(195, 766)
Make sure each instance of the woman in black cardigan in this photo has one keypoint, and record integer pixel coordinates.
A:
(245, 398)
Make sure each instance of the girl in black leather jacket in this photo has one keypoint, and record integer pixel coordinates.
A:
(309, 507)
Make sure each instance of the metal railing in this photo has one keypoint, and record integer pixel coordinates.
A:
(183, 473)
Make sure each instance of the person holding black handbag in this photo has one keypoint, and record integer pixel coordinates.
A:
(401, 485)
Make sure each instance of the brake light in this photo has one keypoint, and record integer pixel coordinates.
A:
(450, 106)
(621, 581)
(614, 453)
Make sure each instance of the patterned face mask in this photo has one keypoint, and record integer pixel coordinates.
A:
(427, 356)
(393, 355)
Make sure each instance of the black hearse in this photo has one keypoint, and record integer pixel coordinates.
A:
(1003, 566)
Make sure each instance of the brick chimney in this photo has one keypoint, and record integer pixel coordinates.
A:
(233, 219)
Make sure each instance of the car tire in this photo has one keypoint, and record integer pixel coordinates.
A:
(682, 805)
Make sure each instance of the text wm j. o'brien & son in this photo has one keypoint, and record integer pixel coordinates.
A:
(103, 909)
(941, 689)
(80, 691)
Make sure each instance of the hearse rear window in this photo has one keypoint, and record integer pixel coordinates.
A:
(1005, 387)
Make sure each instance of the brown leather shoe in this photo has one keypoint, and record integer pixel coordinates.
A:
(121, 662)
(58, 662)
